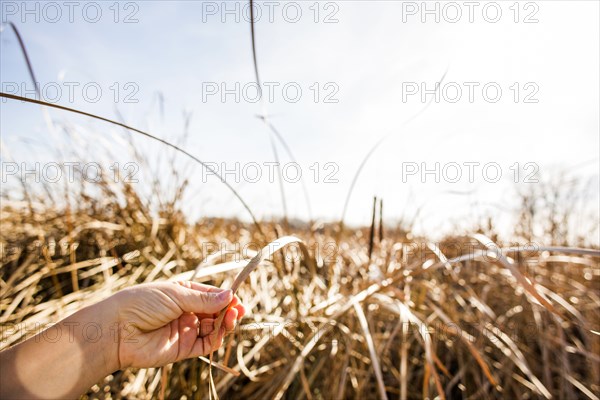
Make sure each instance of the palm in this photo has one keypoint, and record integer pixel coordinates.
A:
(170, 343)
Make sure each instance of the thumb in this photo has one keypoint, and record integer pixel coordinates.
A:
(196, 301)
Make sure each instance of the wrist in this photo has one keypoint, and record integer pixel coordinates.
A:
(98, 336)
(85, 345)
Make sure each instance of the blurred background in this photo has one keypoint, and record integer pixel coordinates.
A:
(520, 91)
(519, 98)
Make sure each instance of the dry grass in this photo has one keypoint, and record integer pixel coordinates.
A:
(456, 319)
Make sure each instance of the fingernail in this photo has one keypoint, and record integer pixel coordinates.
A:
(225, 294)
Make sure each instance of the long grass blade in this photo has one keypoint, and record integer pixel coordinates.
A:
(371, 345)
(376, 146)
(274, 131)
(148, 135)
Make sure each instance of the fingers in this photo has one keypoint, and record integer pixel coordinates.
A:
(241, 310)
(188, 333)
(208, 289)
(198, 301)
(230, 317)
(235, 303)
(206, 327)
(208, 343)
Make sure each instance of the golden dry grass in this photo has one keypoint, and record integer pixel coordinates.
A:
(455, 319)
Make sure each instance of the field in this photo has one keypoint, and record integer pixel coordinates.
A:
(367, 312)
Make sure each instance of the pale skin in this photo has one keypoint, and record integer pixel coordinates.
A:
(149, 325)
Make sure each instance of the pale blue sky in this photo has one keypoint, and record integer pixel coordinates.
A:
(369, 54)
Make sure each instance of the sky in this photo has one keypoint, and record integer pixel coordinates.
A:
(518, 102)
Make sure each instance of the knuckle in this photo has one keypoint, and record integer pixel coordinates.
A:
(206, 298)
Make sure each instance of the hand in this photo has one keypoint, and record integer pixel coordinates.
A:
(164, 322)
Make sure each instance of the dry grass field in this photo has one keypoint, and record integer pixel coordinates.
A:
(367, 313)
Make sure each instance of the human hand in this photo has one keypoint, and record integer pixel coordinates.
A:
(164, 322)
